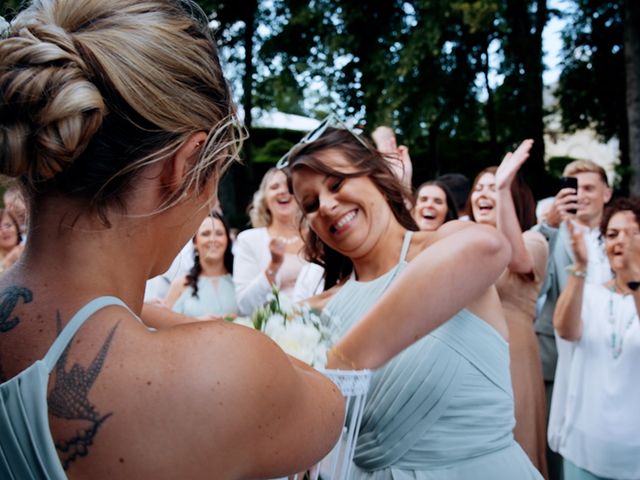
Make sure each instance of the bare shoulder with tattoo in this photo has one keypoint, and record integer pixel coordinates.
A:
(9, 298)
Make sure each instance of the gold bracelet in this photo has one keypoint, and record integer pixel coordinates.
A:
(343, 358)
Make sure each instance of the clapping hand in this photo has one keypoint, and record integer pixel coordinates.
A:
(510, 165)
(631, 254)
(578, 246)
(277, 248)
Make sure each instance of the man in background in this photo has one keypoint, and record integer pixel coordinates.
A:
(588, 204)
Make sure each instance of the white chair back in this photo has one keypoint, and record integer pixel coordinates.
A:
(354, 385)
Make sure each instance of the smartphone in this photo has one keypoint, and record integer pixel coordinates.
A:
(569, 182)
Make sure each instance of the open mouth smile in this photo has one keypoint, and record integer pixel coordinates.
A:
(344, 222)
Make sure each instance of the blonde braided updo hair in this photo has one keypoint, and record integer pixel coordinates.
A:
(92, 91)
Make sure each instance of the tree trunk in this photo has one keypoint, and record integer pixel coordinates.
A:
(526, 44)
(632, 70)
(490, 110)
(247, 82)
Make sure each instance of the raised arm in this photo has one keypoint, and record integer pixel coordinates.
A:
(464, 260)
(507, 220)
(567, 318)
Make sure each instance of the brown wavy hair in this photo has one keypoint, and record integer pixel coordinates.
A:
(368, 162)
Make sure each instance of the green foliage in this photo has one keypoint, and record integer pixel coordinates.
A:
(272, 151)
(9, 8)
(555, 165)
(591, 88)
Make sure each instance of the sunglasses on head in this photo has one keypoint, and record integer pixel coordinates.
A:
(331, 120)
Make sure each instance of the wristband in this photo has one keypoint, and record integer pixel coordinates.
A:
(573, 270)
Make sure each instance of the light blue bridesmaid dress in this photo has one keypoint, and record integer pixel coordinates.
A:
(216, 296)
(442, 409)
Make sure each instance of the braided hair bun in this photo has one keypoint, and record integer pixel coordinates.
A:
(49, 108)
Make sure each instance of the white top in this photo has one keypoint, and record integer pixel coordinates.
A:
(252, 257)
(599, 424)
(598, 272)
(158, 287)
(598, 269)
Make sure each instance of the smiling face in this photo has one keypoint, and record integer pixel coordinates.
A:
(8, 233)
(621, 227)
(483, 199)
(350, 215)
(211, 241)
(593, 193)
(431, 207)
(279, 201)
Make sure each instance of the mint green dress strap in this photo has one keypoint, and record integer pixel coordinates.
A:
(406, 243)
(27, 450)
(81, 316)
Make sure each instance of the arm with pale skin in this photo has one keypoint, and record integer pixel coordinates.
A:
(175, 290)
(567, 318)
(243, 391)
(461, 255)
(162, 315)
(507, 220)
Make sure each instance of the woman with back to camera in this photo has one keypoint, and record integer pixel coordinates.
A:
(269, 253)
(433, 205)
(501, 199)
(207, 291)
(597, 413)
(443, 407)
(118, 123)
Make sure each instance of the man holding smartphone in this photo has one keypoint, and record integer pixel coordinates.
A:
(583, 206)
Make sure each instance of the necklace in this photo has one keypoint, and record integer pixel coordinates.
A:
(618, 326)
(289, 240)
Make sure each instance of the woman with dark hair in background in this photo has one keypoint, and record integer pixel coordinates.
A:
(207, 291)
(500, 199)
(442, 407)
(433, 205)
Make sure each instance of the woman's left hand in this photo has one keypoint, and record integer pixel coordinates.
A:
(632, 255)
(510, 165)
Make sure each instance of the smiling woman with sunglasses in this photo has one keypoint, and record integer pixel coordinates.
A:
(420, 308)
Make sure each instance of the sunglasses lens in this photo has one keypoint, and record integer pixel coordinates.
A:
(283, 162)
(316, 133)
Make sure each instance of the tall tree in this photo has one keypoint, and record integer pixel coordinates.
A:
(632, 70)
(592, 85)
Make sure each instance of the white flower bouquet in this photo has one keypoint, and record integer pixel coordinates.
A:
(298, 329)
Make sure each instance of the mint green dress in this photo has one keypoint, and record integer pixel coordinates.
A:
(442, 409)
(216, 296)
(27, 450)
